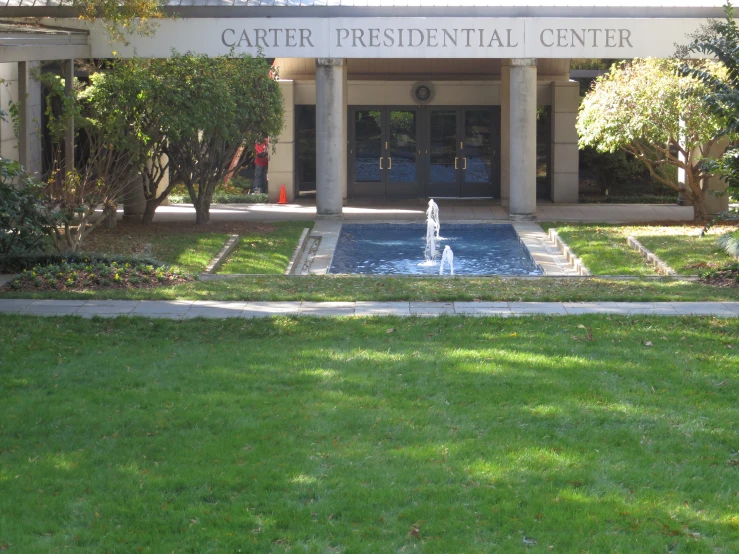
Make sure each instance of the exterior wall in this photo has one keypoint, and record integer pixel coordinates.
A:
(460, 83)
(398, 93)
(282, 159)
(565, 152)
(8, 91)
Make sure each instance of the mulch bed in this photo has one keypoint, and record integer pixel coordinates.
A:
(96, 276)
(185, 227)
(723, 277)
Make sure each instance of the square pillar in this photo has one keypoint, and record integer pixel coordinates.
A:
(505, 126)
(565, 152)
(69, 134)
(330, 136)
(282, 158)
(522, 139)
(29, 129)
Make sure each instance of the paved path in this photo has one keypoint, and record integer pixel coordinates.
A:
(187, 309)
(415, 210)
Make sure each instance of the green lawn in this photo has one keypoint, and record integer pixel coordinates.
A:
(602, 248)
(348, 288)
(682, 249)
(190, 252)
(265, 253)
(585, 434)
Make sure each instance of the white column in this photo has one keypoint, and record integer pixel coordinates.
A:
(522, 139)
(565, 152)
(330, 135)
(69, 135)
(505, 128)
(29, 139)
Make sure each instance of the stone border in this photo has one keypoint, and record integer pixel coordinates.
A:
(221, 256)
(567, 252)
(299, 249)
(650, 257)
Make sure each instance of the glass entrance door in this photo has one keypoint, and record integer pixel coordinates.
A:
(443, 153)
(406, 152)
(463, 152)
(382, 153)
(480, 152)
(366, 170)
(402, 168)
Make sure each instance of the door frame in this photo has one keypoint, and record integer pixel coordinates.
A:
(423, 114)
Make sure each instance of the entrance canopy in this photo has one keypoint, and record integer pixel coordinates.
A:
(405, 28)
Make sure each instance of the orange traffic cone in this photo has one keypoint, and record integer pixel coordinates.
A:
(283, 196)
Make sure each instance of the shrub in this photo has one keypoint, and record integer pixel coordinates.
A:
(24, 220)
(223, 198)
(730, 243)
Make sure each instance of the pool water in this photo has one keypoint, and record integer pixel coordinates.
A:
(397, 249)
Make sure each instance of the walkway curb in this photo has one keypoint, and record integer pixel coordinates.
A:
(188, 309)
(660, 266)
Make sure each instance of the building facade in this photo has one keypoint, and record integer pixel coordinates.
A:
(388, 99)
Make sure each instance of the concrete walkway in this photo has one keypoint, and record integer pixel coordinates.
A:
(415, 210)
(188, 309)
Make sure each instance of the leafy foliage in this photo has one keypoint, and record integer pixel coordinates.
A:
(646, 108)
(189, 114)
(100, 179)
(216, 106)
(730, 243)
(122, 19)
(24, 219)
(721, 94)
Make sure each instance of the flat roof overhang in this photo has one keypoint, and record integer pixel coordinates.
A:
(397, 8)
(21, 42)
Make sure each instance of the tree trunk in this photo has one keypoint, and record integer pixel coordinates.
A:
(111, 218)
(151, 207)
(699, 209)
(202, 212)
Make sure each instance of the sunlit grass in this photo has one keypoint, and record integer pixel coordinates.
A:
(265, 253)
(306, 435)
(604, 249)
(371, 288)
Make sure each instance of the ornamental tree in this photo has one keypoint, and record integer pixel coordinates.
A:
(214, 108)
(130, 100)
(721, 93)
(647, 108)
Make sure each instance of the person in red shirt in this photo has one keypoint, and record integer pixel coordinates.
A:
(261, 161)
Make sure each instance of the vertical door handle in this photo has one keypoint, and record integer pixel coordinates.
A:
(389, 163)
(465, 163)
(455, 163)
(381, 163)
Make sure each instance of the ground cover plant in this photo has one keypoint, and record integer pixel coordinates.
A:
(81, 276)
(370, 288)
(262, 252)
(580, 434)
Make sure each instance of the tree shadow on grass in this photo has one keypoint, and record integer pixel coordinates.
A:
(300, 434)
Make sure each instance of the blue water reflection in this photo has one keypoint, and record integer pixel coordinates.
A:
(396, 249)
